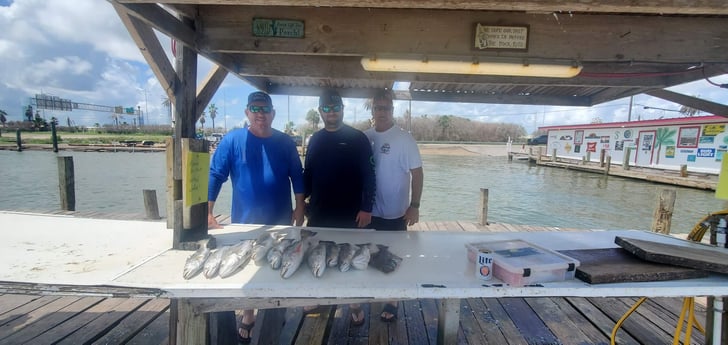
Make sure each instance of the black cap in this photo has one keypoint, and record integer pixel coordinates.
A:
(330, 97)
(259, 96)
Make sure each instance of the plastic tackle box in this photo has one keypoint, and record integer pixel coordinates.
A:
(518, 263)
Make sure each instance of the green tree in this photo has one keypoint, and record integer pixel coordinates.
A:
(202, 121)
(313, 118)
(289, 128)
(212, 110)
(3, 117)
(444, 123)
(664, 137)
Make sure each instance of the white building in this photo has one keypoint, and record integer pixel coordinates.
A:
(698, 142)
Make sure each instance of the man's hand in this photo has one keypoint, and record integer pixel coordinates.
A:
(212, 222)
(412, 216)
(363, 219)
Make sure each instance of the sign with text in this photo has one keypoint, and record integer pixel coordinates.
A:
(283, 28)
(195, 172)
(501, 37)
(713, 129)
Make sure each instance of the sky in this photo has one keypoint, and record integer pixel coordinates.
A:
(80, 50)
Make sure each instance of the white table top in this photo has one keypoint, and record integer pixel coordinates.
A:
(65, 250)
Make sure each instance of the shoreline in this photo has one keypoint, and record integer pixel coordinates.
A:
(493, 150)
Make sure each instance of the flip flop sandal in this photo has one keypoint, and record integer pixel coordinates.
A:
(245, 327)
(391, 309)
(355, 312)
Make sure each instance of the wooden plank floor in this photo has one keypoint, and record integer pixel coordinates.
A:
(97, 320)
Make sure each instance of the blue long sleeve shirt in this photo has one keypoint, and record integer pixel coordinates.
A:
(262, 171)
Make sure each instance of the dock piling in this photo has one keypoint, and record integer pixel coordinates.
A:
(483, 216)
(66, 183)
(662, 218)
(151, 208)
(18, 142)
(625, 163)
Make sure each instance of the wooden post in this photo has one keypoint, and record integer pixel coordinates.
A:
(510, 156)
(553, 157)
(625, 163)
(609, 164)
(588, 156)
(662, 218)
(538, 158)
(18, 141)
(684, 170)
(602, 156)
(54, 137)
(449, 321)
(150, 203)
(483, 216)
(66, 183)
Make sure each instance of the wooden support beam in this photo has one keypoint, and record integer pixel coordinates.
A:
(449, 321)
(689, 101)
(209, 86)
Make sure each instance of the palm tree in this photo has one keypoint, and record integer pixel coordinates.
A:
(444, 122)
(3, 117)
(289, 127)
(313, 118)
(213, 112)
(202, 121)
(664, 137)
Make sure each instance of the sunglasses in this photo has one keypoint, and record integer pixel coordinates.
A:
(331, 108)
(260, 109)
(382, 108)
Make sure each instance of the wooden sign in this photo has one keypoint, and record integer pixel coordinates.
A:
(284, 28)
(488, 37)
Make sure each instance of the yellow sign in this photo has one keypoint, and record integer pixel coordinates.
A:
(721, 191)
(713, 129)
(195, 173)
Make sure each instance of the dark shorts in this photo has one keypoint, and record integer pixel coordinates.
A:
(381, 224)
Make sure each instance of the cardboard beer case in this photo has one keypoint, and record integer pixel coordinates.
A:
(518, 262)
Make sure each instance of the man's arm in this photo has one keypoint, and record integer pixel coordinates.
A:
(412, 215)
(298, 209)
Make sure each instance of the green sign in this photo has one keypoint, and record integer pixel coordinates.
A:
(284, 28)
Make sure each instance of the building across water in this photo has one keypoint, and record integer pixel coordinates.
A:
(696, 142)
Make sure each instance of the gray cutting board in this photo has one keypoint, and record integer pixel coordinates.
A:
(616, 265)
(690, 254)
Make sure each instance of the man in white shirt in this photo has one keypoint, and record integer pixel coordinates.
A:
(399, 176)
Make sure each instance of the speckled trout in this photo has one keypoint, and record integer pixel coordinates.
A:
(195, 262)
(212, 264)
(317, 259)
(237, 256)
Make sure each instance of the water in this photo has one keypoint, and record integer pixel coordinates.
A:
(518, 193)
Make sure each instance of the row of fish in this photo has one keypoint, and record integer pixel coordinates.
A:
(286, 252)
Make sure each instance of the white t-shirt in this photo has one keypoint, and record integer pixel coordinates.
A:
(395, 154)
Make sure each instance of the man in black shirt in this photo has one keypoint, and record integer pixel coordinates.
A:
(339, 171)
(338, 176)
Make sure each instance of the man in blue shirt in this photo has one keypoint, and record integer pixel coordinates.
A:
(262, 163)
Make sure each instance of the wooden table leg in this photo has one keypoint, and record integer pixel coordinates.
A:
(191, 328)
(449, 321)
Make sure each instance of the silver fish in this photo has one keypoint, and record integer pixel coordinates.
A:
(275, 254)
(195, 262)
(261, 247)
(346, 254)
(236, 257)
(293, 256)
(317, 259)
(361, 258)
(332, 254)
(212, 264)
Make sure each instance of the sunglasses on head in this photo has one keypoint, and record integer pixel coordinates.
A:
(331, 108)
(260, 108)
(382, 108)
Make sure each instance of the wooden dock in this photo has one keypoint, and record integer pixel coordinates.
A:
(688, 179)
(30, 319)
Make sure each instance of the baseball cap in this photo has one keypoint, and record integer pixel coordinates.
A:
(330, 97)
(259, 96)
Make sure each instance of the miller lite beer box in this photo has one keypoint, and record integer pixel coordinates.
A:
(518, 262)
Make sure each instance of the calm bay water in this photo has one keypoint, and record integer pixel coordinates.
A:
(518, 193)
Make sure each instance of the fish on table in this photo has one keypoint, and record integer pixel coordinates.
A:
(293, 255)
(317, 259)
(275, 253)
(362, 256)
(195, 262)
(262, 245)
(212, 264)
(332, 253)
(237, 256)
(346, 254)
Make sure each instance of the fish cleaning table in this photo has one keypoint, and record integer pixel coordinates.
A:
(51, 254)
